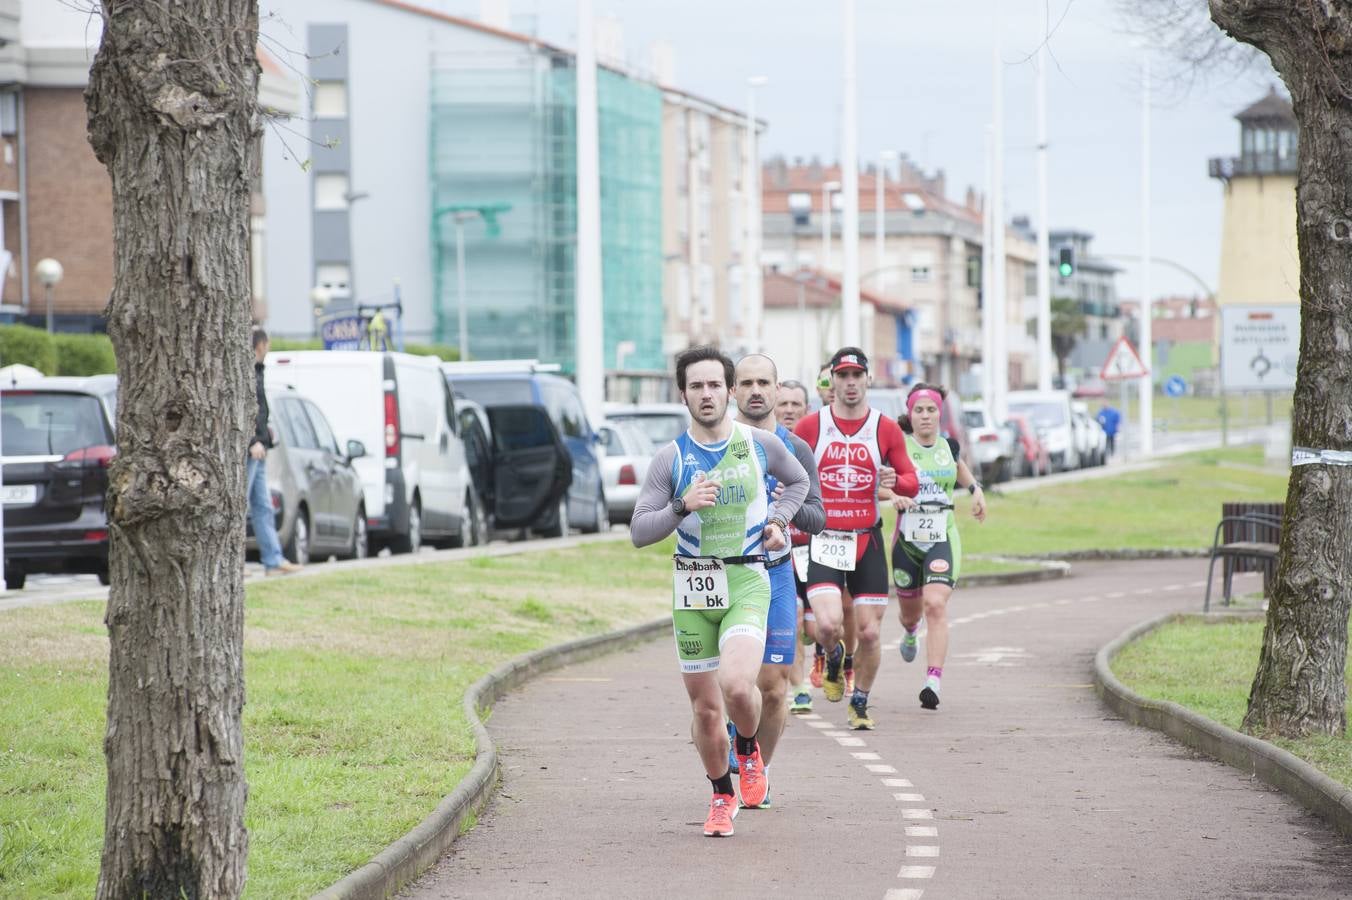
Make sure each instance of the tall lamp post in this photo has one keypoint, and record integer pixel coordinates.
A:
(462, 213)
(49, 272)
(751, 246)
(880, 216)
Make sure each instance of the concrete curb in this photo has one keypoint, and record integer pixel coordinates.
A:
(1304, 783)
(1046, 570)
(409, 856)
(1120, 554)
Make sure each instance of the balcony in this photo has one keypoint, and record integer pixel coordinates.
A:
(1228, 167)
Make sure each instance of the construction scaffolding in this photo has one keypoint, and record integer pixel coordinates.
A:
(503, 130)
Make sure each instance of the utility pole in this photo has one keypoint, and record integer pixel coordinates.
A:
(1000, 348)
(751, 280)
(880, 219)
(987, 284)
(849, 178)
(588, 320)
(1147, 310)
(1044, 279)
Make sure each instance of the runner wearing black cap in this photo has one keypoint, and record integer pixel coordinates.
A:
(852, 444)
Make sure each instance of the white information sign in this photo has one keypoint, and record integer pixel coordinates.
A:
(1260, 346)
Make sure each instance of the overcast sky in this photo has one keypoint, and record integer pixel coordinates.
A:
(924, 75)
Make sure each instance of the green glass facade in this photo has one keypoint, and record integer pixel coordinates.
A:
(504, 131)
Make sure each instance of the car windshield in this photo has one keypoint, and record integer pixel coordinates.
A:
(973, 418)
(46, 423)
(659, 427)
(1044, 415)
(495, 391)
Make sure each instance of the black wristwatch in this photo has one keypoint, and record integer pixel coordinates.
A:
(678, 506)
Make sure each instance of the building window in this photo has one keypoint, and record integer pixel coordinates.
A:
(331, 191)
(1103, 331)
(9, 113)
(920, 274)
(974, 270)
(800, 204)
(337, 277)
(331, 100)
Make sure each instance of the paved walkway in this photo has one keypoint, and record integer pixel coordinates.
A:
(1021, 785)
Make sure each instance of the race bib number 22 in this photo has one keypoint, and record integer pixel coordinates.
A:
(925, 527)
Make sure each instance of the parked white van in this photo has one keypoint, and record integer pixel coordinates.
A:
(415, 475)
(1049, 411)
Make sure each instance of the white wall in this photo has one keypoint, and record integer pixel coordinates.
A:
(389, 60)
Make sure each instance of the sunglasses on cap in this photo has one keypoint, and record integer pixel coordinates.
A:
(824, 382)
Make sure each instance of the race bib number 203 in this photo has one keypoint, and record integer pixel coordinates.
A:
(835, 549)
(701, 583)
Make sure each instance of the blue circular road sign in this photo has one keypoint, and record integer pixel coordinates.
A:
(1175, 386)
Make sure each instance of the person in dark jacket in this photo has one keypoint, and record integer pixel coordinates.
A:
(260, 499)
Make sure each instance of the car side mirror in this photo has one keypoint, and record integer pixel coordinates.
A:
(355, 450)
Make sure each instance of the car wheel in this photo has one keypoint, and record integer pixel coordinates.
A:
(473, 529)
(103, 576)
(298, 548)
(361, 539)
(412, 541)
(602, 515)
(561, 525)
(14, 580)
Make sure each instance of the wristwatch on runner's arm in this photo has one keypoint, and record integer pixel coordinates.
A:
(678, 506)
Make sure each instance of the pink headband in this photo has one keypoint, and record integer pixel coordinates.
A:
(926, 393)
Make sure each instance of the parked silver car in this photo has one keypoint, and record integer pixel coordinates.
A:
(624, 465)
(993, 446)
(316, 493)
(661, 422)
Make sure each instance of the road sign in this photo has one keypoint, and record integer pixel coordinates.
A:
(1175, 386)
(1123, 363)
(1260, 346)
(341, 332)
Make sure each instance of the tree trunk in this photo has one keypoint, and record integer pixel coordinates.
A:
(172, 115)
(1299, 687)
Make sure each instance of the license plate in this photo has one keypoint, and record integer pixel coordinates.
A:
(835, 549)
(19, 493)
(925, 527)
(700, 584)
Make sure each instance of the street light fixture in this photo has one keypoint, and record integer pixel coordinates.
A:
(880, 213)
(462, 213)
(320, 295)
(49, 272)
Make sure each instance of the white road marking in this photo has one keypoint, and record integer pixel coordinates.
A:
(836, 734)
(808, 717)
(922, 850)
(903, 894)
(819, 725)
(916, 872)
(921, 831)
(917, 813)
(1116, 594)
(882, 769)
(1197, 584)
(851, 742)
(909, 798)
(1064, 602)
(1173, 587)
(866, 756)
(897, 782)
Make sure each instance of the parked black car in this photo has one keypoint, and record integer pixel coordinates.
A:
(56, 437)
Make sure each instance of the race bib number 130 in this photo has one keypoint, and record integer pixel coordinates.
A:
(835, 549)
(701, 584)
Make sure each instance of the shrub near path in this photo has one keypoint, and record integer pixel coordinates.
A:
(353, 724)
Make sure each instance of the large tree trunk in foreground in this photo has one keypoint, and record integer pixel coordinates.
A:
(1299, 688)
(172, 114)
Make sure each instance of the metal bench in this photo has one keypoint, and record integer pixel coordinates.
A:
(1246, 540)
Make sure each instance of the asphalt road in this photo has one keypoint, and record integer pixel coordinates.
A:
(1020, 785)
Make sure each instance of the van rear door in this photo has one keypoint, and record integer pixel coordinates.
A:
(531, 466)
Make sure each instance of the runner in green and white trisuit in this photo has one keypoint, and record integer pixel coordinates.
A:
(927, 548)
(709, 487)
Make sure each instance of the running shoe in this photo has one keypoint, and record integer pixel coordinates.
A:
(849, 680)
(752, 780)
(909, 643)
(732, 746)
(818, 667)
(858, 716)
(929, 695)
(722, 810)
(802, 700)
(833, 682)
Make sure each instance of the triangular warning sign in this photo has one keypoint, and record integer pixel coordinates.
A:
(1123, 363)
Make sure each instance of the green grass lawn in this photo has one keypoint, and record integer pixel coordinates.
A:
(1174, 505)
(1209, 668)
(353, 728)
(1203, 413)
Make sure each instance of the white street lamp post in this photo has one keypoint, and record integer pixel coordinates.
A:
(849, 177)
(751, 303)
(1044, 278)
(880, 219)
(49, 272)
(462, 311)
(1147, 356)
(828, 189)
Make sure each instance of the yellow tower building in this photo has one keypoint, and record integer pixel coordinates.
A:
(1259, 262)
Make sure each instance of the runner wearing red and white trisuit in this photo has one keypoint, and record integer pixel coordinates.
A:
(852, 445)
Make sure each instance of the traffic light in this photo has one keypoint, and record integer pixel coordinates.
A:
(1066, 267)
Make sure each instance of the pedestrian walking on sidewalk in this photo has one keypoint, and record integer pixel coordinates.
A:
(926, 548)
(708, 486)
(256, 474)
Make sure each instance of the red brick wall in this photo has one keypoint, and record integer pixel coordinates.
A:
(70, 203)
